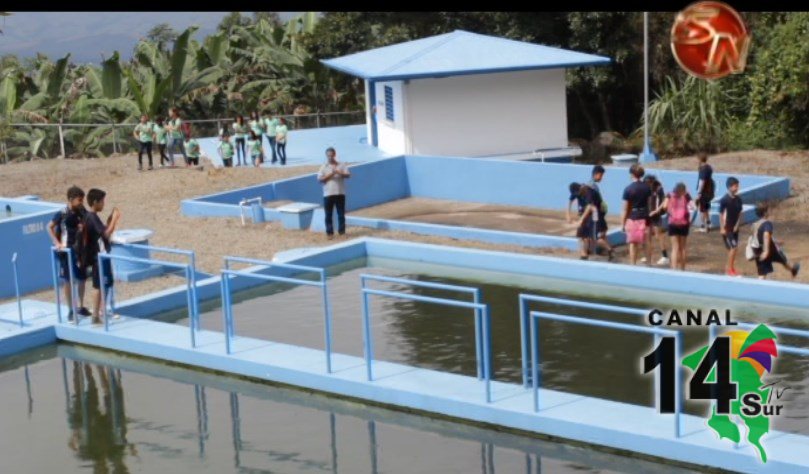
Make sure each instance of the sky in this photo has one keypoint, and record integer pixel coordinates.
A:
(89, 35)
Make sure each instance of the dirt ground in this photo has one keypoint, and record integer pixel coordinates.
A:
(485, 216)
(151, 199)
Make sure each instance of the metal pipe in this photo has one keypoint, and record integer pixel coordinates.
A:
(56, 285)
(17, 287)
(424, 284)
(424, 299)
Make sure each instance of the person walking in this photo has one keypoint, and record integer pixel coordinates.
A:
(730, 211)
(160, 138)
(769, 250)
(176, 138)
(144, 133)
(332, 175)
(658, 231)
(600, 215)
(271, 126)
(240, 140)
(706, 188)
(281, 140)
(678, 205)
(635, 216)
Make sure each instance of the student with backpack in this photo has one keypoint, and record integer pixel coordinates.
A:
(96, 236)
(600, 216)
(706, 188)
(730, 211)
(678, 205)
(766, 250)
(656, 217)
(637, 197)
(63, 229)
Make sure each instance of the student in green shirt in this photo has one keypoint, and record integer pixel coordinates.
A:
(270, 124)
(175, 130)
(161, 138)
(193, 151)
(240, 136)
(257, 127)
(144, 134)
(226, 150)
(281, 140)
(255, 148)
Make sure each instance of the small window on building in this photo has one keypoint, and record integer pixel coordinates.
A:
(389, 103)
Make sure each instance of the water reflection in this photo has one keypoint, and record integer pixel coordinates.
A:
(97, 417)
(234, 425)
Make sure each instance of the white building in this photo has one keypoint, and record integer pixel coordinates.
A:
(466, 94)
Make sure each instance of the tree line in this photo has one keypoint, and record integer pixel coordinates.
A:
(258, 63)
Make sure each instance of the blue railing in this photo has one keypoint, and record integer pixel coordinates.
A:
(481, 313)
(55, 269)
(525, 341)
(657, 332)
(193, 324)
(192, 260)
(17, 288)
(227, 304)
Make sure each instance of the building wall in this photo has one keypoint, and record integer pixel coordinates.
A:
(391, 133)
(487, 114)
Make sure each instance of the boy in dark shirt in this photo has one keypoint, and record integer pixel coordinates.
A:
(730, 211)
(98, 241)
(769, 250)
(63, 229)
(705, 191)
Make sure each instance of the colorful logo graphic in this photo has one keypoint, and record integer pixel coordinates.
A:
(709, 40)
(751, 355)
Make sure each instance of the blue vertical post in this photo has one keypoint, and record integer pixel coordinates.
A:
(478, 342)
(225, 310)
(535, 361)
(486, 353)
(366, 334)
(74, 295)
(327, 318)
(17, 287)
(102, 279)
(192, 325)
(194, 296)
(525, 340)
(56, 285)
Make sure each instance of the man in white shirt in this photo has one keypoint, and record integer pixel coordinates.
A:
(333, 175)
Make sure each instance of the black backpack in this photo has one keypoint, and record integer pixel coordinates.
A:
(81, 245)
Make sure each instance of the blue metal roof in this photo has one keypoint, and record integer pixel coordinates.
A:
(455, 54)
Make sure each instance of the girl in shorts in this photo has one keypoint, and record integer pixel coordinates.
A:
(679, 206)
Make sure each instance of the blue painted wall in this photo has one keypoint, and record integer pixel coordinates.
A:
(27, 235)
(512, 183)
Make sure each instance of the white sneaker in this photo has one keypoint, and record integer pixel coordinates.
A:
(703, 230)
(643, 260)
(664, 261)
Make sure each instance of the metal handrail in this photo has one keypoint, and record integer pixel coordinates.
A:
(475, 292)
(71, 276)
(227, 303)
(148, 261)
(192, 257)
(657, 332)
(481, 314)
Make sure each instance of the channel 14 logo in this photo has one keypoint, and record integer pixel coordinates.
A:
(729, 372)
(710, 40)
